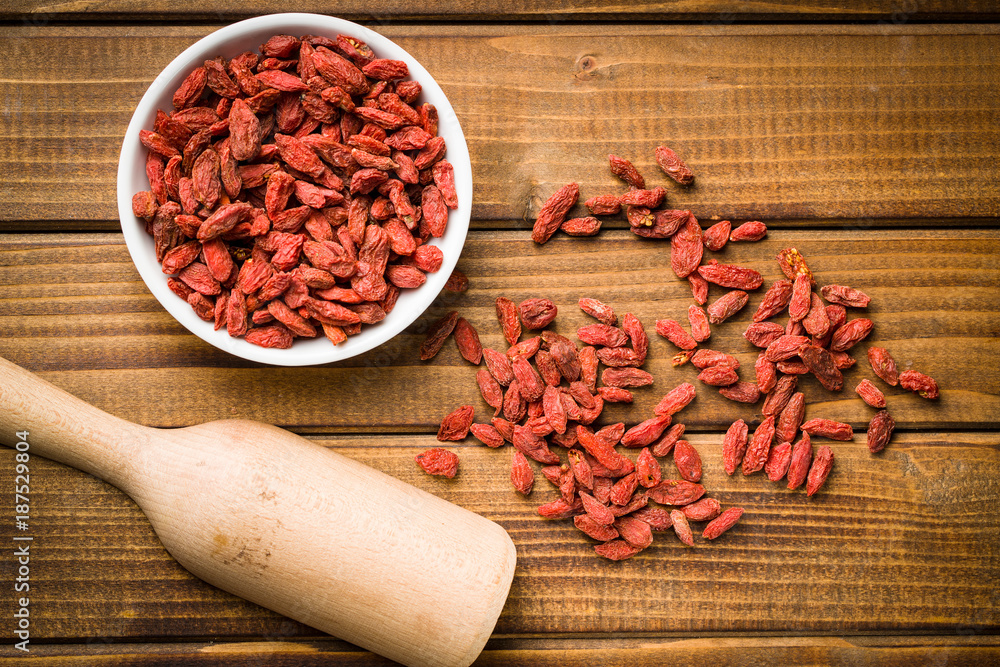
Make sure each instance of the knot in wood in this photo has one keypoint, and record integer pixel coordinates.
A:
(586, 67)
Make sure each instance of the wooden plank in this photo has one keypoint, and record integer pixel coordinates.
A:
(711, 13)
(902, 542)
(73, 309)
(779, 122)
(552, 652)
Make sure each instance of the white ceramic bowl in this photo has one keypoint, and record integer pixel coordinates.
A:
(230, 41)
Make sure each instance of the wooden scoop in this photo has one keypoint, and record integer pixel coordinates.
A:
(288, 524)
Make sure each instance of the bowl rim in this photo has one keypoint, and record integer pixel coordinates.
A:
(229, 41)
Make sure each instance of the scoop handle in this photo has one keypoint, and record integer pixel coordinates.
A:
(64, 428)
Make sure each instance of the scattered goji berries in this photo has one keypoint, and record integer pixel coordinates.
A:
(294, 192)
(552, 398)
(547, 391)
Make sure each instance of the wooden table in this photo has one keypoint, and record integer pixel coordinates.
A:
(864, 134)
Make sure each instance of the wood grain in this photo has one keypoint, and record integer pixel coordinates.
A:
(552, 652)
(779, 122)
(896, 543)
(74, 309)
(869, 147)
(711, 13)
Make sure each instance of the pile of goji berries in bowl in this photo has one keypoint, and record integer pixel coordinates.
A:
(295, 189)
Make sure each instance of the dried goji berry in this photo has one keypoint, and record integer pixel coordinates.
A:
(604, 204)
(759, 446)
(455, 425)
(883, 364)
(588, 226)
(658, 518)
(270, 336)
(719, 376)
(727, 305)
(467, 340)
(705, 358)
(510, 323)
(785, 347)
(648, 469)
(754, 230)
(762, 334)
(742, 392)
(529, 381)
(800, 461)
(623, 490)
(734, 445)
(437, 461)
(602, 334)
(821, 363)
(634, 531)
(699, 288)
(845, 296)
(686, 248)
(598, 310)
(676, 399)
(645, 432)
(700, 327)
(801, 298)
(681, 527)
(778, 397)
(774, 301)
(715, 237)
(673, 166)
(816, 322)
(850, 333)
(521, 474)
(922, 384)
(732, 276)
(705, 509)
(663, 445)
(537, 313)
(560, 508)
(676, 492)
(879, 431)
(626, 377)
(777, 461)
(617, 549)
(792, 263)
(722, 523)
(553, 212)
(645, 198)
(626, 171)
(665, 223)
(765, 373)
(596, 510)
(870, 394)
(687, 461)
(593, 529)
(828, 428)
(820, 469)
(636, 334)
(790, 418)
(437, 334)
(488, 434)
(526, 348)
(675, 333)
